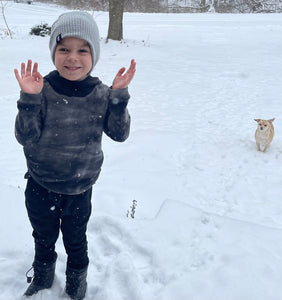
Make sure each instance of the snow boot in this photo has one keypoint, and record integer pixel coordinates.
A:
(43, 277)
(76, 284)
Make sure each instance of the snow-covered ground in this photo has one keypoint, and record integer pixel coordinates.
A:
(208, 222)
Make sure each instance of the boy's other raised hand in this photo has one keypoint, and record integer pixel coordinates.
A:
(121, 80)
(30, 80)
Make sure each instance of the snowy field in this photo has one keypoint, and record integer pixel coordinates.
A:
(208, 222)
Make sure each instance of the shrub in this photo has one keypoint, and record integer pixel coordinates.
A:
(40, 30)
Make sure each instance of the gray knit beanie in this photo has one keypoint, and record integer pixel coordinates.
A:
(76, 24)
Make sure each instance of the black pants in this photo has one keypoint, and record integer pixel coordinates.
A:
(48, 213)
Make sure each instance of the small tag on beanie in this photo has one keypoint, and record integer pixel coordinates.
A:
(58, 38)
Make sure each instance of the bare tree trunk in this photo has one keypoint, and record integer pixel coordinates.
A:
(115, 30)
(4, 17)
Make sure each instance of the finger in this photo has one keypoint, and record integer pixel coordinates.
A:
(28, 68)
(132, 70)
(22, 69)
(35, 70)
(38, 77)
(133, 63)
(17, 75)
(132, 67)
(120, 72)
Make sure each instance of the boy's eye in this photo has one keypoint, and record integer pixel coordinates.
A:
(83, 51)
(63, 49)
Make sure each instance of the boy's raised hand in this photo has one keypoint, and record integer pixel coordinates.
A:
(30, 81)
(122, 81)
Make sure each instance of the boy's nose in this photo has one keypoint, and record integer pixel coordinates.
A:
(72, 56)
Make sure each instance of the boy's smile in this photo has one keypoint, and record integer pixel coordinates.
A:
(73, 58)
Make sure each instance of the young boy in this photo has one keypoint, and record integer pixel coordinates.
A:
(60, 122)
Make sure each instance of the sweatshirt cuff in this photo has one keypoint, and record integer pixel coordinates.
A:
(29, 98)
(118, 100)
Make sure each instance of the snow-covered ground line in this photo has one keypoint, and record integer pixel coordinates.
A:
(208, 222)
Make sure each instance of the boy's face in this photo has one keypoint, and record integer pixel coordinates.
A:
(73, 58)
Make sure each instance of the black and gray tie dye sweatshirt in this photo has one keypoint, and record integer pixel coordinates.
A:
(61, 130)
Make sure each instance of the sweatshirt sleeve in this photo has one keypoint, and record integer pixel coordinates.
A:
(28, 121)
(117, 122)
